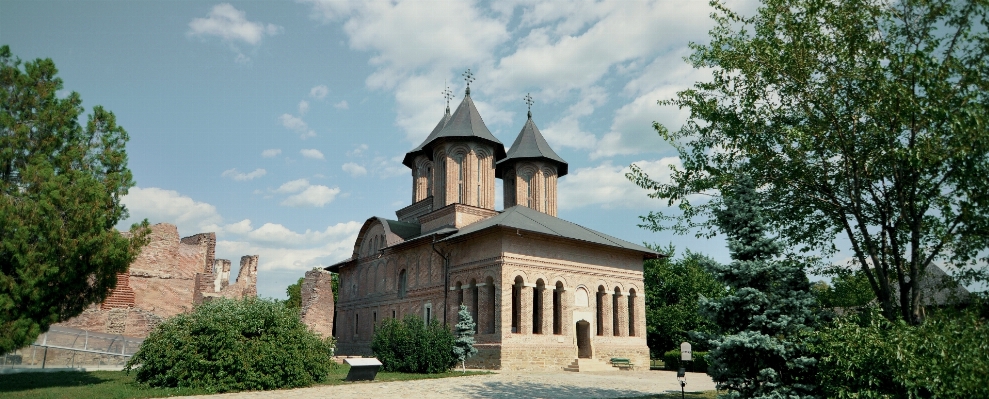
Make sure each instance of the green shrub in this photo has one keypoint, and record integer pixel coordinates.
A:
(671, 360)
(411, 346)
(229, 345)
(873, 358)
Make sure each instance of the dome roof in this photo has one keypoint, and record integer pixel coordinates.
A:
(530, 145)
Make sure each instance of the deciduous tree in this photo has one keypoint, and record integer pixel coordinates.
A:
(860, 118)
(61, 184)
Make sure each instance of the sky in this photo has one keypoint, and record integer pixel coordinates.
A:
(281, 126)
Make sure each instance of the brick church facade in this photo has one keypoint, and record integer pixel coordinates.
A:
(545, 293)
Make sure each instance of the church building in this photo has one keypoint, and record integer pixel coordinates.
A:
(546, 294)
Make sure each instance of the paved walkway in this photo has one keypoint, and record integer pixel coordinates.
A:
(502, 385)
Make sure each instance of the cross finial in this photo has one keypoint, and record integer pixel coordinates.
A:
(448, 95)
(469, 77)
(529, 102)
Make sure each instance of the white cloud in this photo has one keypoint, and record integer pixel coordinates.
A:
(319, 92)
(312, 153)
(281, 248)
(312, 196)
(303, 107)
(167, 206)
(354, 169)
(239, 176)
(298, 125)
(231, 26)
(271, 153)
(607, 186)
(341, 105)
(358, 150)
(293, 186)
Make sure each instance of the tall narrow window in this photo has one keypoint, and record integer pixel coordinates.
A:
(460, 180)
(545, 192)
(429, 181)
(558, 309)
(393, 313)
(428, 313)
(374, 321)
(537, 307)
(479, 181)
(530, 200)
(402, 283)
(357, 322)
(631, 312)
(516, 304)
(600, 310)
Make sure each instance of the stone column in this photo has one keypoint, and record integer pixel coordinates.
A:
(483, 304)
(566, 306)
(622, 309)
(640, 316)
(547, 310)
(525, 309)
(606, 320)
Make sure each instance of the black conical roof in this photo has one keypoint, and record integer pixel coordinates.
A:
(465, 123)
(411, 155)
(530, 144)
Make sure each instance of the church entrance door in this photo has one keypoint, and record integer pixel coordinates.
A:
(583, 339)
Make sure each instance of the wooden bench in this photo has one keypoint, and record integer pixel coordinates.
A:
(622, 363)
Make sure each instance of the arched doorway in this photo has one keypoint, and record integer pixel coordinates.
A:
(583, 339)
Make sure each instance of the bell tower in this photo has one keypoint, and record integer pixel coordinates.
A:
(530, 169)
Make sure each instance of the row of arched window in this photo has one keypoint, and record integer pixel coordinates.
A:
(617, 312)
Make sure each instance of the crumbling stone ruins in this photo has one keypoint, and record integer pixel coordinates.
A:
(317, 302)
(169, 276)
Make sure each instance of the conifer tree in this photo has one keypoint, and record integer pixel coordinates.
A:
(463, 346)
(759, 352)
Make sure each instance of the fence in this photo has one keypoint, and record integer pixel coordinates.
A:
(63, 347)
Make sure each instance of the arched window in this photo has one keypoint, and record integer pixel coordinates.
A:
(429, 180)
(545, 192)
(530, 192)
(600, 309)
(631, 312)
(474, 303)
(517, 303)
(558, 308)
(402, 283)
(537, 306)
(461, 176)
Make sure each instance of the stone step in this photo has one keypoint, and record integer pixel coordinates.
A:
(579, 365)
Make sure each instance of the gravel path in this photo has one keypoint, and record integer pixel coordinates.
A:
(502, 385)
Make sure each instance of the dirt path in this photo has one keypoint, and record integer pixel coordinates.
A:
(502, 385)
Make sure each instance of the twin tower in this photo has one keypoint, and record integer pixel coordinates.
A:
(460, 159)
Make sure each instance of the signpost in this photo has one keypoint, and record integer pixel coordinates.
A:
(685, 356)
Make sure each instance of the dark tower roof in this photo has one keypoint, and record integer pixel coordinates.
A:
(530, 144)
(465, 123)
(411, 155)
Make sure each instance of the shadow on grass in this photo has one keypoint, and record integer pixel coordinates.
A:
(24, 381)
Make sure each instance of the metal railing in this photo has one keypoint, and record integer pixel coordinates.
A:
(63, 347)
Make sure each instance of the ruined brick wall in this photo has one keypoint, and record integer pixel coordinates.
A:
(168, 277)
(317, 302)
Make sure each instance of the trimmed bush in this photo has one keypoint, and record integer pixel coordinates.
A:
(671, 360)
(230, 345)
(412, 346)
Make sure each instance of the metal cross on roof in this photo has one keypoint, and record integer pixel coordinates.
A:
(448, 95)
(529, 102)
(469, 77)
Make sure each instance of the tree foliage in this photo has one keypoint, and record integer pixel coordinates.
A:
(233, 345)
(463, 332)
(860, 118)
(61, 184)
(673, 287)
(848, 289)
(759, 350)
(294, 292)
(413, 346)
(867, 356)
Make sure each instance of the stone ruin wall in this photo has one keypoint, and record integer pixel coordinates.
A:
(168, 277)
(317, 305)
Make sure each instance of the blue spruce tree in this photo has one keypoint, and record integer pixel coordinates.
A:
(463, 345)
(759, 351)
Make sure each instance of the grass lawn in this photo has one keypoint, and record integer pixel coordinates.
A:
(118, 385)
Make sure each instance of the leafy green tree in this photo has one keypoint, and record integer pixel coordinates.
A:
(60, 189)
(294, 292)
(760, 350)
(860, 118)
(847, 290)
(463, 345)
(411, 345)
(673, 287)
(233, 345)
